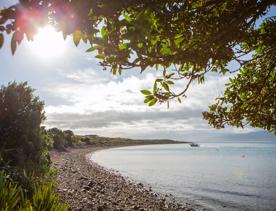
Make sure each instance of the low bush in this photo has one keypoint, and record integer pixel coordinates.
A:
(41, 198)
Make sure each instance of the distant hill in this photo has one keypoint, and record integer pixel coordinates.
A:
(219, 136)
(258, 135)
(213, 135)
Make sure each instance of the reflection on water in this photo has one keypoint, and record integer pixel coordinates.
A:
(224, 176)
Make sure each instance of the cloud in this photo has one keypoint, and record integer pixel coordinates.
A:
(91, 91)
(107, 118)
(113, 106)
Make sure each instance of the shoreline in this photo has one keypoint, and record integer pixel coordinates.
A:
(85, 185)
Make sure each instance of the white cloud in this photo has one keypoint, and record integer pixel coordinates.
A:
(113, 106)
(92, 92)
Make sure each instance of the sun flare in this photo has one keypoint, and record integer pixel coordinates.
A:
(48, 43)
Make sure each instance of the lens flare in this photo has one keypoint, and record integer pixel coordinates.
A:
(48, 43)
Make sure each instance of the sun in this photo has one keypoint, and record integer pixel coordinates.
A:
(48, 43)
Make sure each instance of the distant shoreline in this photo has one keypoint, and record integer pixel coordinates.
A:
(85, 185)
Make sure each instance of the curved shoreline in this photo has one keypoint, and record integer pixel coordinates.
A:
(85, 185)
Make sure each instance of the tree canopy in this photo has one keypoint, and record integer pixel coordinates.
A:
(184, 39)
(23, 142)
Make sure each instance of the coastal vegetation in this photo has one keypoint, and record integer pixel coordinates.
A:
(185, 40)
(26, 174)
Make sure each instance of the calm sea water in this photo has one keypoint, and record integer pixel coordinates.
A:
(218, 176)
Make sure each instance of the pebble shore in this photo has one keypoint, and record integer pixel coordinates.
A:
(85, 185)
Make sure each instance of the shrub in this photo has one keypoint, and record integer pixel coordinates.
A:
(22, 143)
(10, 194)
(13, 196)
(69, 137)
(58, 138)
(86, 140)
(62, 139)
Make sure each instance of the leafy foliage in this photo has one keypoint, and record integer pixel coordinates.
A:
(62, 139)
(252, 93)
(185, 39)
(58, 138)
(13, 196)
(25, 176)
(69, 137)
(9, 194)
(22, 143)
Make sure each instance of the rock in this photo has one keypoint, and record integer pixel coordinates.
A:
(140, 185)
(86, 187)
(90, 184)
(100, 208)
(135, 207)
(73, 170)
(84, 178)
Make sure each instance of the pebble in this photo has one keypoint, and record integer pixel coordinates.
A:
(94, 188)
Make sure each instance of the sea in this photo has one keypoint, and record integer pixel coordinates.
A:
(229, 175)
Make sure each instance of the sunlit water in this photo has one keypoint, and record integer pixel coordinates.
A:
(219, 176)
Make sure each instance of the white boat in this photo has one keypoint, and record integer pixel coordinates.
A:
(194, 145)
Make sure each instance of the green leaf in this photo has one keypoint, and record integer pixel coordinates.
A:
(170, 82)
(127, 17)
(123, 46)
(155, 87)
(178, 40)
(145, 92)
(77, 37)
(165, 86)
(164, 72)
(179, 100)
(103, 32)
(114, 70)
(120, 71)
(147, 100)
(201, 79)
(100, 56)
(13, 43)
(170, 75)
(165, 50)
(150, 97)
(1, 40)
(93, 48)
(140, 45)
(152, 102)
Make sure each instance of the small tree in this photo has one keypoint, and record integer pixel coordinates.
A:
(23, 143)
(57, 137)
(69, 137)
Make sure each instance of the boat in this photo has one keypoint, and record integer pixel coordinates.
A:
(194, 145)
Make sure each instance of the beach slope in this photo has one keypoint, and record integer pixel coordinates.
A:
(85, 185)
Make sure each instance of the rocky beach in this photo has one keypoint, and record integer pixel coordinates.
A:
(85, 185)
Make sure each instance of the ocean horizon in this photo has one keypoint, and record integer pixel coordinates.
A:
(225, 175)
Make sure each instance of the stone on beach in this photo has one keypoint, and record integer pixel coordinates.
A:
(85, 185)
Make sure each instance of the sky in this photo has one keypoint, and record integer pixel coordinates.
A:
(80, 96)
